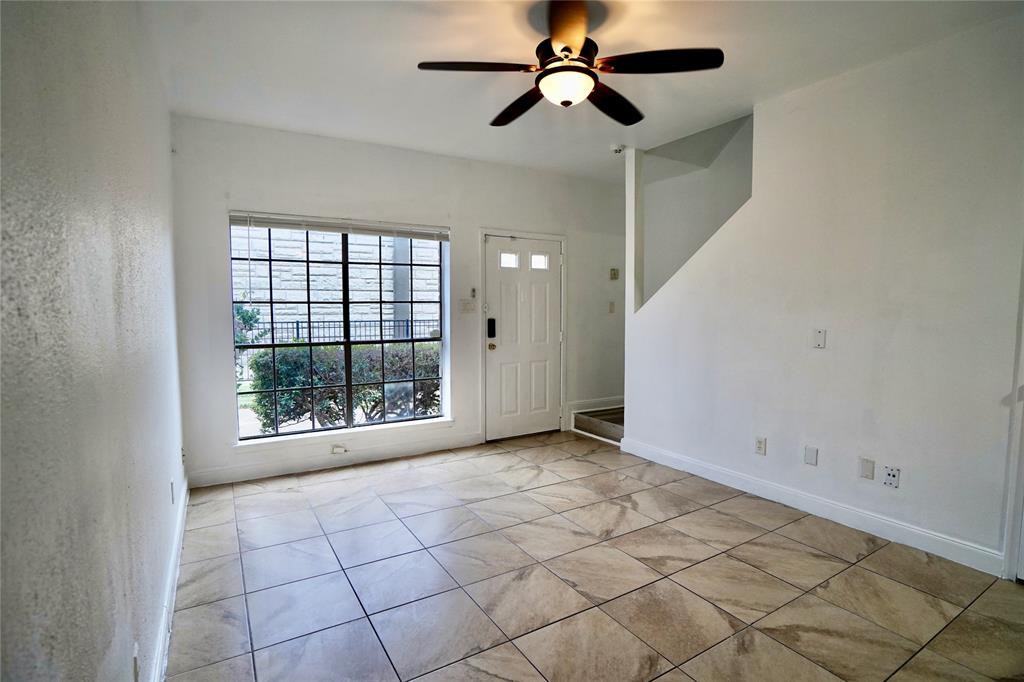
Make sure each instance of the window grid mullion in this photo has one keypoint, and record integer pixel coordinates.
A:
(347, 324)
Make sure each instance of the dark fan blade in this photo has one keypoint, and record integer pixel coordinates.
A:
(518, 107)
(567, 22)
(614, 105)
(663, 61)
(475, 66)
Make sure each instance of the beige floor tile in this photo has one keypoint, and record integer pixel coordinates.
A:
(1003, 601)
(480, 557)
(929, 573)
(797, 564)
(446, 525)
(556, 437)
(298, 608)
(701, 490)
(838, 540)
(574, 467)
(585, 446)
(201, 582)
(528, 477)
(740, 589)
(210, 492)
(270, 503)
(607, 519)
(751, 655)
(714, 528)
(333, 492)
(352, 513)
(275, 530)
(564, 496)
(675, 675)
(759, 511)
(390, 582)
(613, 459)
(433, 632)
(658, 504)
(476, 489)
(675, 622)
(542, 455)
(266, 485)
(503, 663)
(654, 473)
(662, 548)
(526, 599)
(508, 510)
(346, 653)
(591, 647)
(549, 536)
(895, 606)
(497, 463)
(370, 543)
(601, 572)
(845, 644)
(209, 513)
(420, 501)
(930, 667)
(207, 634)
(991, 647)
(612, 484)
(209, 542)
(478, 450)
(279, 564)
(237, 669)
(521, 442)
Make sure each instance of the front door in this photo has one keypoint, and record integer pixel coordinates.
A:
(522, 335)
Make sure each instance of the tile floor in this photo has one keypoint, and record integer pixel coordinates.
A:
(559, 558)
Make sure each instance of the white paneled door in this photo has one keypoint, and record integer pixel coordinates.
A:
(522, 335)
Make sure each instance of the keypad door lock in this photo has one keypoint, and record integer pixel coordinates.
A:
(491, 346)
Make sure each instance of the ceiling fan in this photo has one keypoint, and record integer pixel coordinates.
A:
(567, 67)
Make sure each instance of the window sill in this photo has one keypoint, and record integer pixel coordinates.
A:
(338, 435)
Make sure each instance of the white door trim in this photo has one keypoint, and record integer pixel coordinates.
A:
(563, 422)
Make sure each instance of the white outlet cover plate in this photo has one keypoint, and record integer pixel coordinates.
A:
(811, 455)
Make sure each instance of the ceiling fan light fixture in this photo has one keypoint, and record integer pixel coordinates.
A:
(566, 85)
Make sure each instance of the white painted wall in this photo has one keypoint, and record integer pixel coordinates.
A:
(222, 166)
(887, 209)
(92, 433)
(682, 212)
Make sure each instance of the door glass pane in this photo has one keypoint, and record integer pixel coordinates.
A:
(428, 398)
(509, 260)
(366, 363)
(397, 361)
(538, 261)
(328, 365)
(398, 400)
(368, 404)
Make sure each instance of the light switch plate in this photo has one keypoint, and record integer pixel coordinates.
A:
(867, 468)
(810, 455)
(761, 446)
(819, 338)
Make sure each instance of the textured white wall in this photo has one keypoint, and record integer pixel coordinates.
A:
(91, 432)
(887, 209)
(221, 166)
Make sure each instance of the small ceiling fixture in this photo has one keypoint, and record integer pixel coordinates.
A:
(567, 67)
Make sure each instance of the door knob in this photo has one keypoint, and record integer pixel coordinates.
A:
(491, 346)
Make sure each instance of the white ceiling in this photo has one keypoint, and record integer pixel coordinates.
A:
(348, 69)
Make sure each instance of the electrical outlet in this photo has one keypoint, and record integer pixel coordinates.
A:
(338, 449)
(892, 477)
(867, 468)
(811, 455)
(761, 446)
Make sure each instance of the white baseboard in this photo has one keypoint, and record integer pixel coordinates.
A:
(170, 590)
(961, 551)
(293, 459)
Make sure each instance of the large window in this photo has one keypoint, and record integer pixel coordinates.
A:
(334, 329)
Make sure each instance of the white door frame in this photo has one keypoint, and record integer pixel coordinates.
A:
(563, 334)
